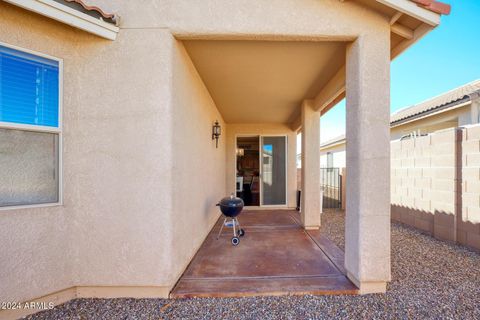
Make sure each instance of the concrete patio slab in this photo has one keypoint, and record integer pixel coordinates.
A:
(275, 257)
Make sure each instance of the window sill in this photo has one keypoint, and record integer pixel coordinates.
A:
(32, 206)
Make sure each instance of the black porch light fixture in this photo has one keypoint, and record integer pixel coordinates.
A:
(216, 132)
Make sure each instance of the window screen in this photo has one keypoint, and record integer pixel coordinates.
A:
(28, 167)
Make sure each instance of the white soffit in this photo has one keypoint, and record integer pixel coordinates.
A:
(411, 9)
(67, 15)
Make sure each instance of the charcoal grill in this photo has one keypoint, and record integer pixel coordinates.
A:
(231, 208)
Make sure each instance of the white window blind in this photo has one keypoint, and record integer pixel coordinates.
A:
(29, 88)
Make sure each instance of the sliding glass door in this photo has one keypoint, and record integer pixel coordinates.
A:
(273, 170)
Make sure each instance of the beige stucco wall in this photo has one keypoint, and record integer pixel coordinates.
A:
(116, 158)
(134, 112)
(118, 153)
(198, 174)
(35, 242)
(250, 18)
(234, 130)
(311, 196)
(367, 215)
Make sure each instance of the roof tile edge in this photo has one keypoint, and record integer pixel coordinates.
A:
(435, 6)
(109, 16)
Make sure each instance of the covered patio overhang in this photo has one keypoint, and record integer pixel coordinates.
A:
(283, 84)
(258, 87)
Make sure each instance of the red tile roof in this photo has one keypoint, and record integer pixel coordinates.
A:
(95, 11)
(435, 6)
(92, 8)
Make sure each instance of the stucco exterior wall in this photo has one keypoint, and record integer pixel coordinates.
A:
(234, 130)
(249, 18)
(137, 124)
(118, 141)
(116, 158)
(198, 166)
(367, 215)
(34, 242)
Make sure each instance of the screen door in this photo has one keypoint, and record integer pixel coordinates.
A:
(273, 170)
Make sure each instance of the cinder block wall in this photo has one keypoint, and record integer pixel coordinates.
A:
(435, 184)
(469, 205)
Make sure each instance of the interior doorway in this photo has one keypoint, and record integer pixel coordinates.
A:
(261, 176)
(248, 170)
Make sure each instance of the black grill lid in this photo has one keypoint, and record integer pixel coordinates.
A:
(231, 201)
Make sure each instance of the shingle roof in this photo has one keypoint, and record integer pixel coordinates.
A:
(444, 100)
(433, 5)
(93, 11)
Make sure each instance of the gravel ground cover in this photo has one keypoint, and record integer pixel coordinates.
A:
(431, 279)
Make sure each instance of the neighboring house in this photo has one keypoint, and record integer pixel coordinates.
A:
(435, 165)
(457, 107)
(333, 154)
(110, 155)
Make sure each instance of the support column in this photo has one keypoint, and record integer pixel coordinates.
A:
(367, 225)
(311, 204)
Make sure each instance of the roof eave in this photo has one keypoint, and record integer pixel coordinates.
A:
(67, 15)
(409, 8)
(434, 111)
(331, 144)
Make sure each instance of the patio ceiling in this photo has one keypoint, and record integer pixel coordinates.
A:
(264, 81)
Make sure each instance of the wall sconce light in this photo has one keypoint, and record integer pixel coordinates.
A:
(216, 132)
(240, 152)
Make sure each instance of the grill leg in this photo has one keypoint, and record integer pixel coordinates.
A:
(234, 223)
(221, 228)
(238, 224)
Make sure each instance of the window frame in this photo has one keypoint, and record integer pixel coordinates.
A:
(48, 129)
(330, 160)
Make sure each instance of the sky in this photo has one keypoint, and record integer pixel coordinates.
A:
(447, 57)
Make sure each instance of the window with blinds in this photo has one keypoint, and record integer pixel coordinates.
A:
(29, 88)
(30, 132)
